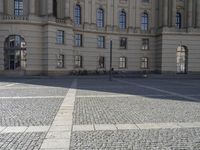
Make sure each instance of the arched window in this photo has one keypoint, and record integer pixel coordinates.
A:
(15, 53)
(182, 59)
(18, 7)
(144, 22)
(178, 20)
(100, 18)
(77, 14)
(122, 20)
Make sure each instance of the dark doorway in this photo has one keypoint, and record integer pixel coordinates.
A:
(15, 53)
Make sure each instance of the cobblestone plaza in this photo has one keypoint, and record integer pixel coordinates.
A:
(90, 114)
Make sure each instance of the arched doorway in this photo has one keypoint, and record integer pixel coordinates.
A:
(182, 59)
(15, 53)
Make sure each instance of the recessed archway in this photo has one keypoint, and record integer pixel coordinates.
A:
(15, 53)
(182, 59)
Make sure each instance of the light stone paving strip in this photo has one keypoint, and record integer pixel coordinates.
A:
(159, 90)
(24, 129)
(31, 97)
(124, 95)
(58, 136)
(145, 126)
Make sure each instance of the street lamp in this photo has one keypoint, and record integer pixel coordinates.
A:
(110, 73)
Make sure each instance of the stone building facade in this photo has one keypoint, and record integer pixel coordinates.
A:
(70, 36)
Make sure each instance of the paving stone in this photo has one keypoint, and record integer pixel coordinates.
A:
(173, 139)
(21, 141)
(28, 112)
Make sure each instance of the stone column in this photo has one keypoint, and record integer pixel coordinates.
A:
(1, 6)
(170, 12)
(131, 14)
(50, 7)
(66, 8)
(190, 13)
(109, 13)
(173, 13)
(87, 11)
(31, 7)
(115, 15)
(198, 13)
(93, 12)
(195, 13)
(166, 13)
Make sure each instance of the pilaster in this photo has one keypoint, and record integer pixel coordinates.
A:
(1, 7)
(190, 13)
(173, 13)
(31, 7)
(50, 7)
(165, 9)
(66, 8)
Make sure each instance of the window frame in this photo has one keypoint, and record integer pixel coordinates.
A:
(18, 7)
(77, 15)
(101, 62)
(78, 40)
(144, 21)
(178, 20)
(61, 61)
(78, 61)
(123, 62)
(122, 20)
(60, 37)
(101, 41)
(145, 44)
(100, 18)
(121, 45)
(144, 63)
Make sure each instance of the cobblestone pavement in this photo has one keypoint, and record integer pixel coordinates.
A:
(176, 139)
(126, 114)
(127, 102)
(21, 141)
(27, 110)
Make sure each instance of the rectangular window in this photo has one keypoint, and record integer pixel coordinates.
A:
(18, 7)
(101, 62)
(101, 42)
(60, 37)
(78, 40)
(122, 62)
(144, 63)
(123, 43)
(78, 61)
(145, 44)
(60, 61)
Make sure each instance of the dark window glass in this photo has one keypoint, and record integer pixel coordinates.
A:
(101, 42)
(144, 62)
(78, 61)
(100, 18)
(144, 22)
(77, 15)
(18, 7)
(145, 44)
(78, 40)
(123, 43)
(60, 37)
(178, 20)
(122, 20)
(60, 61)
(101, 62)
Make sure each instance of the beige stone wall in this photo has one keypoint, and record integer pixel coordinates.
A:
(39, 27)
